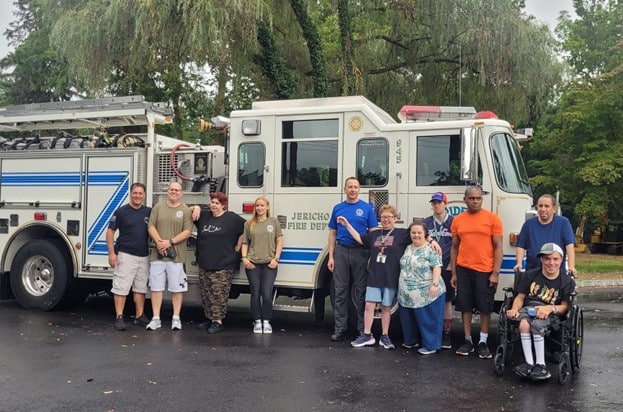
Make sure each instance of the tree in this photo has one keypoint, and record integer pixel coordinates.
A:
(581, 143)
(38, 73)
(472, 52)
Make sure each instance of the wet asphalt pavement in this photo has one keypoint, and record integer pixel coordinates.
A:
(73, 360)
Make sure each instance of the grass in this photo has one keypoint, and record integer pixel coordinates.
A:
(591, 266)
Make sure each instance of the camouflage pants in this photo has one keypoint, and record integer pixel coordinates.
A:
(214, 286)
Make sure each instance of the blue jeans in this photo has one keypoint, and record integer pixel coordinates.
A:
(261, 282)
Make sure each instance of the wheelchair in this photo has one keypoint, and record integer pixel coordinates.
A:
(569, 338)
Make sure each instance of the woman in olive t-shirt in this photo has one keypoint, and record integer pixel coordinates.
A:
(261, 248)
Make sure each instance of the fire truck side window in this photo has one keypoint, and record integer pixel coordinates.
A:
(439, 161)
(372, 162)
(251, 160)
(309, 153)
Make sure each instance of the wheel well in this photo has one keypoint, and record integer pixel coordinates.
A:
(30, 233)
(324, 276)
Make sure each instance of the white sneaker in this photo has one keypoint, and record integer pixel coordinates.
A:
(257, 327)
(176, 324)
(267, 327)
(154, 324)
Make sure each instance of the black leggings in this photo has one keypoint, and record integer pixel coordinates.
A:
(261, 282)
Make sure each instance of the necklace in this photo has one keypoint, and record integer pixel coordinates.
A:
(383, 238)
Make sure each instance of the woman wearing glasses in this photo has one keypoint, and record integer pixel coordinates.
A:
(386, 246)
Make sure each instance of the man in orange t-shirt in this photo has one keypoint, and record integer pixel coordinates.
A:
(475, 262)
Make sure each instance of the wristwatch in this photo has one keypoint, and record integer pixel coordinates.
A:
(436, 284)
(554, 309)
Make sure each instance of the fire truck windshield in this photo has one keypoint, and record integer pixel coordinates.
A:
(510, 171)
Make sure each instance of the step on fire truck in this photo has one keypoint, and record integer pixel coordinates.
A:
(55, 203)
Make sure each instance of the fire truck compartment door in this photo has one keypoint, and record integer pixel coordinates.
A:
(107, 183)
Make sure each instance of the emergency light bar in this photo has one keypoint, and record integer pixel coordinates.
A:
(410, 113)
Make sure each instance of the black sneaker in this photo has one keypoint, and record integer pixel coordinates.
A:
(141, 321)
(119, 323)
(483, 351)
(465, 349)
(204, 325)
(215, 327)
(540, 373)
(523, 370)
(446, 343)
(338, 337)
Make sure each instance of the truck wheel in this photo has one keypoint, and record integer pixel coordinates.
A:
(40, 275)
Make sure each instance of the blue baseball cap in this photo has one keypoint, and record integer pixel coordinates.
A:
(439, 196)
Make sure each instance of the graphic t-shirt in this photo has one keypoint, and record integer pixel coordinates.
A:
(216, 240)
(541, 290)
(383, 272)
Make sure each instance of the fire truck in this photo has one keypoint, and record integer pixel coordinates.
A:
(55, 203)
(58, 192)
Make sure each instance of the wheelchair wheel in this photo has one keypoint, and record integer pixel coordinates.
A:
(499, 360)
(564, 369)
(577, 339)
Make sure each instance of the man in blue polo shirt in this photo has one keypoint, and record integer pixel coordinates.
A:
(347, 258)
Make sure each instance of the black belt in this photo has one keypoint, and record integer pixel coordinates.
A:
(355, 246)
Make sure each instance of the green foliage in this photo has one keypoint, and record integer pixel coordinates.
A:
(272, 64)
(580, 144)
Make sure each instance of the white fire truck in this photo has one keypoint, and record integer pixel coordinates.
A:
(58, 193)
(55, 203)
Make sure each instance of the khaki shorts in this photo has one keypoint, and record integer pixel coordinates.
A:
(131, 272)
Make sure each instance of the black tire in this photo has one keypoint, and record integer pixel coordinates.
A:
(499, 361)
(577, 340)
(40, 275)
(78, 295)
(564, 369)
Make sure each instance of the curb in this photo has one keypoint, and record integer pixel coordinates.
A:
(599, 283)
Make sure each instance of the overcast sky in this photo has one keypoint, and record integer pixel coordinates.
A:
(545, 11)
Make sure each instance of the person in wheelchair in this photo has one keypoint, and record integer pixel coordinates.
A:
(543, 295)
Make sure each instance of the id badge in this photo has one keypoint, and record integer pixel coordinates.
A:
(381, 258)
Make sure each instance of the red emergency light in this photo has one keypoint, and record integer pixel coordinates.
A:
(487, 114)
(410, 113)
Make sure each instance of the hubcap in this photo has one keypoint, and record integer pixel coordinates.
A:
(38, 275)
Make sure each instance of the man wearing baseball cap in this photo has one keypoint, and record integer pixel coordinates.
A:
(439, 230)
(543, 294)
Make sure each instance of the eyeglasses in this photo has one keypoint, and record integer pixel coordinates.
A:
(474, 198)
(174, 190)
(388, 217)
